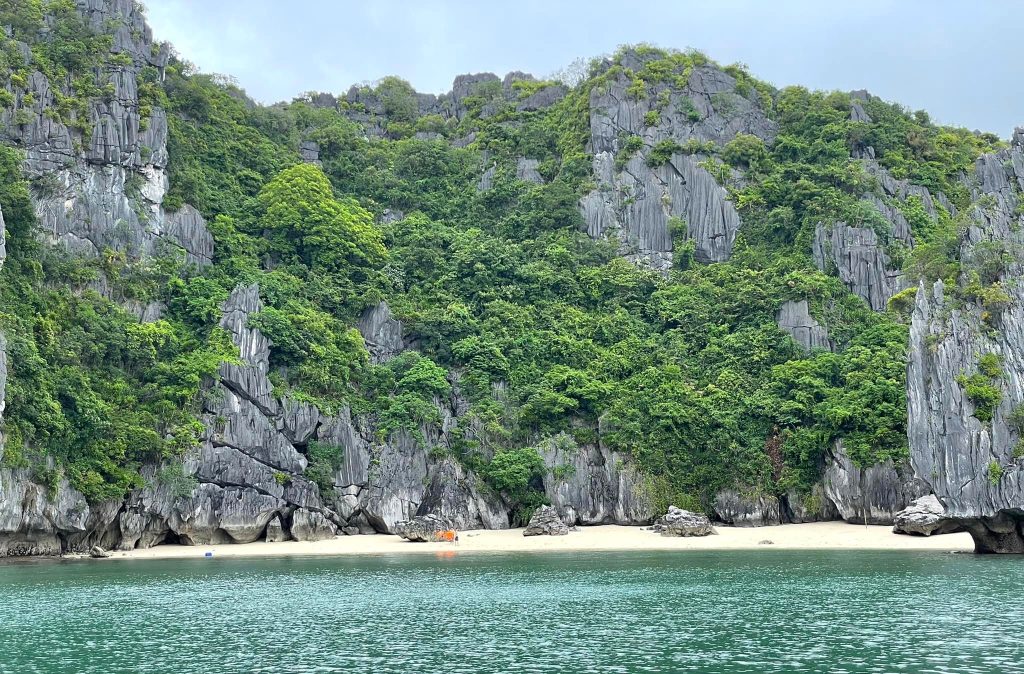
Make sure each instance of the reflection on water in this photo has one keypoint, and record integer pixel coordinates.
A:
(764, 611)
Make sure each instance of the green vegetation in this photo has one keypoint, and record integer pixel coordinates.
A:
(995, 473)
(89, 385)
(324, 461)
(544, 331)
(981, 388)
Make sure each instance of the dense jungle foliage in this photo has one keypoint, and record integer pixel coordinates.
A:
(549, 334)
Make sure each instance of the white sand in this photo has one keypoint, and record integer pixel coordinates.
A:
(815, 536)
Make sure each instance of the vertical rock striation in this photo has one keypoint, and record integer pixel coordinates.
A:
(594, 485)
(635, 201)
(795, 318)
(105, 189)
(973, 463)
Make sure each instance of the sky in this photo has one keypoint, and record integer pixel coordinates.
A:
(957, 60)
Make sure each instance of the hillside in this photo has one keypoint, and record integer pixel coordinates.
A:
(667, 283)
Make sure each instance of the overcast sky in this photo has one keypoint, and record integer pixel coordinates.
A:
(958, 60)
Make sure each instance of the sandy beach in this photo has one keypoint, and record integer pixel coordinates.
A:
(814, 536)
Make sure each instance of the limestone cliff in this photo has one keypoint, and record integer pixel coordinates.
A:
(972, 462)
(634, 201)
(99, 181)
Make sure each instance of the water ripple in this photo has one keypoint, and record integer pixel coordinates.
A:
(729, 612)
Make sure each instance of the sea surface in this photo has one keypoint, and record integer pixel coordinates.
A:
(763, 611)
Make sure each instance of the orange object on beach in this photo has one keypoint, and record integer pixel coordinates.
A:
(449, 536)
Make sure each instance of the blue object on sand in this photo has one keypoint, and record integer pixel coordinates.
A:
(209, 554)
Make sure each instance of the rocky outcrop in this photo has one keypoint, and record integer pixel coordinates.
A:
(968, 459)
(924, 517)
(637, 204)
(634, 201)
(798, 507)
(276, 532)
(104, 189)
(795, 318)
(683, 523)
(35, 520)
(594, 485)
(461, 499)
(546, 522)
(486, 181)
(422, 528)
(309, 525)
(747, 510)
(860, 254)
(871, 494)
(859, 259)
(382, 332)
(3, 387)
(707, 108)
(542, 98)
(527, 170)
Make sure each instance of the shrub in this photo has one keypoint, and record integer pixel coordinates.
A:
(982, 394)
(903, 302)
(991, 365)
(744, 150)
(1015, 419)
(687, 107)
(995, 472)
(662, 152)
(513, 470)
(324, 462)
(630, 146)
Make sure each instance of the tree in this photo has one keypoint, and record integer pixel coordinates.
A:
(305, 221)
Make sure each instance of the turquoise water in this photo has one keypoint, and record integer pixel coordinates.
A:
(765, 611)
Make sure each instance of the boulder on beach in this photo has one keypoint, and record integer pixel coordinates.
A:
(679, 522)
(926, 516)
(96, 552)
(546, 522)
(422, 528)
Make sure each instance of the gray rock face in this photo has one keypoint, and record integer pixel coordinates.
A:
(969, 463)
(459, 498)
(543, 98)
(871, 495)
(422, 528)
(546, 522)
(3, 386)
(106, 190)
(706, 109)
(35, 522)
(636, 203)
(795, 318)
(593, 485)
(924, 517)
(858, 255)
(486, 181)
(857, 113)
(526, 170)
(310, 151)
(859, 259)
(308, 525)
(382, 332)
(276, 532)
(814, 507)
(747, 510)
(683, 523)
(3, 239)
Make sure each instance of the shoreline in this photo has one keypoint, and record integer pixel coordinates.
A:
(837, 536)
